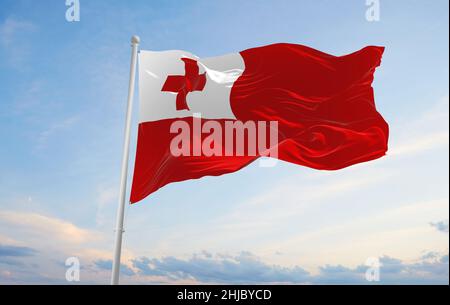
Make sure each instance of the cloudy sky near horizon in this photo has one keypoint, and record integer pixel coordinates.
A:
(62, 102)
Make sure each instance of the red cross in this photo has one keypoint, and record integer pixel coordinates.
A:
(183, 84)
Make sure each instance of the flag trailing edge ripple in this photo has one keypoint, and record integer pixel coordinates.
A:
(324, 106)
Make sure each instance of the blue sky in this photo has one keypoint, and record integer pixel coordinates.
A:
(62, 106)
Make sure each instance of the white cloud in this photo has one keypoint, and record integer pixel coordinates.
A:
(52, 240)
(57, 127)
(427, 132)
(246, 268)
(47, 227)
(28, 98)
(441, 226)
(12, 27)
(15, 40)
(106, 196)
(295, 198)
(389, 229)
(421, 143)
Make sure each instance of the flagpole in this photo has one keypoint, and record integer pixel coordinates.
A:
(126, 151)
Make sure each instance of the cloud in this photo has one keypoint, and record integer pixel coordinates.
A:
(13, 256)
(11, 27)
(55, 240)
(28, 276)
(282, 202)
(441, 226)
(57, 127)
(51, 227)
(14, 251)
(245, 268)
(16, 41)
(107, 265)
(106, 195)
(422, 143)
(430, 269)
(427, 132)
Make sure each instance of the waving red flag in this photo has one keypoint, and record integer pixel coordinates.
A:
(323, 106)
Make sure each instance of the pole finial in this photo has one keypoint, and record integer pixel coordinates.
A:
(135, 39)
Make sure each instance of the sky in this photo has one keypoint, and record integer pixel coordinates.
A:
(63, 89)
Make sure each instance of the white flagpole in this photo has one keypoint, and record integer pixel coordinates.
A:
(126, 151)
